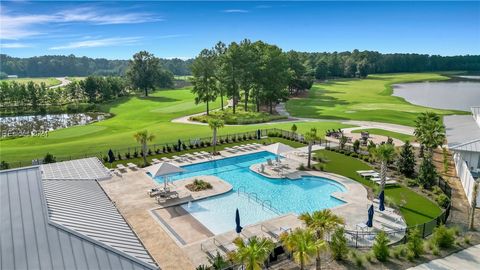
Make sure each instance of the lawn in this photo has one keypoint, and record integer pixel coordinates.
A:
(382, 132)
(415, 208)
(131, 115)
(47, 81)
(368, 99)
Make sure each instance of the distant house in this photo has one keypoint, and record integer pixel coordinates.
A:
(463, 137)
(12, 76)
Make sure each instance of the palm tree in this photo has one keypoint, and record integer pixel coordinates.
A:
(253, 254)
(322, 222)
(385, 153)
(303, 245)
(429, 131)
(311, 136)
(142, 137)
(215, 124)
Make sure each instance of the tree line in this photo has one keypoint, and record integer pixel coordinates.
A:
(63, 65)
(254, 72)
(321, 64)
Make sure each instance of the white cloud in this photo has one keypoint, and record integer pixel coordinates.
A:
(15, 27)
(14, 45)
(235, 11)
(121, 41)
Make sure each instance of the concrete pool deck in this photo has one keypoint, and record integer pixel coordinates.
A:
(176, 240)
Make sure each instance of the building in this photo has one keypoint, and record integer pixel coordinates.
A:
(57, 216)
(463, 137)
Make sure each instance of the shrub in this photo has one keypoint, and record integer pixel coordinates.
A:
(4, 165)
(49, 158)
(356, 146)
(380, 246)
(442, 200)
(127, 155)
(198, 185)
(338, 244)
(157, 151)
(357, 258)
(355, 155)
(135, 154)
(105, 159)
(169, 149)
(412, 182)
(427, 173)
(119, 157)
(415, 244)
(301, 167)
(443, 237)
(149, 152)
(369, 257)
(467, 239)
(184, 146)
(321, 167)
(406, 160)
(399, 251)
(164, 149)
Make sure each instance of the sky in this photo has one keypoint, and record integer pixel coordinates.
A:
(117, 30)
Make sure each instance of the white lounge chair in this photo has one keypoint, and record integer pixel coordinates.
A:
(230, 150)
(199, 155)
(155, 161)
(165, 159)
(178, 159)
(224, 244)
(121, 167)
(132, 166)
(367, 175)
(365, 171)
(206, 154)
(272, 231)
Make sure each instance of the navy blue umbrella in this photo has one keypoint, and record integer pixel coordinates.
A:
(370, 216)
(111, 156)
(238, 228)
(381, 198)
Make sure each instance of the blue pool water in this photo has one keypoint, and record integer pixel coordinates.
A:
(286, 196)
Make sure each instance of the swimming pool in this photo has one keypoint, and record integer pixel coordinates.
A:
(306, 194)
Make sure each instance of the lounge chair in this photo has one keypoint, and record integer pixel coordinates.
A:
(206, 154)
(261, 168)
(365, 171)
(199, 155)
(121, 167)
(367, 175)
(190, 156)
(273, 231)
(132, 166)
(247, 234)
(269, 162)
(230, 150)
(165, 159)
(379, 179)
(155, 161)
(224, 244)
(178, 159)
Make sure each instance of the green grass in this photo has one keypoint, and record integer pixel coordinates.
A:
(47, 81)
(415, 208)
(369, 99)
(382, 132)
(76, 78)
(241, 117)
(131, 115)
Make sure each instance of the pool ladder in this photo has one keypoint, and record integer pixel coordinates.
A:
(253, 196)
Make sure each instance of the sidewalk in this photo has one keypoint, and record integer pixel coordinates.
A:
(467, 259)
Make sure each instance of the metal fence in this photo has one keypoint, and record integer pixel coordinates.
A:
(185, 144)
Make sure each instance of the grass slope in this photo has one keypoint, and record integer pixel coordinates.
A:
(415, 208)
(382, 132)
(131, 115)
(47, 81)
(368, 99)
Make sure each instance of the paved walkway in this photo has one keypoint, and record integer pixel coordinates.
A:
(467, 259)
(63, 82)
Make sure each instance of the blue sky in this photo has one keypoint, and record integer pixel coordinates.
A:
(116, 30)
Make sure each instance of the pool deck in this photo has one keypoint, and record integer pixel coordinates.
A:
(176, 240)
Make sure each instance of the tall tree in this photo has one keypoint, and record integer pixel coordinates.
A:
(322, 222)
(215, 124)
(220, 50)
(143, 71)
(384, 153)
(230, 67)
(406, 160)
(321, 70)
(254, 253)
(204, 80)
(143, 137)
(310, 137)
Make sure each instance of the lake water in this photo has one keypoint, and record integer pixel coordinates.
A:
(39, 124)
(456, 94)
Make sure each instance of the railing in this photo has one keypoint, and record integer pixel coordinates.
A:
(465, 177)
(266, 204)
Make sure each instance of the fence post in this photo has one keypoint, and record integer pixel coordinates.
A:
(423, 231)
(356, 239)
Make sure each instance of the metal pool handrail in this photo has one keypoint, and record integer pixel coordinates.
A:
(252, 195)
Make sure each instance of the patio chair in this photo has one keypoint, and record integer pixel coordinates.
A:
(155, 161)
(247, 233)
(165, 159)
(262, 168)
(273, 231)
(197, 154)
(269, 162)
(206, 154)
(132, 166)
(121, 167)
(365, 171)
(367, 175)
(224, 244)
(178, 159)
(230, 150)
(277, 159)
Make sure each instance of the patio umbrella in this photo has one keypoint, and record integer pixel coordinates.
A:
(370, 216)
(278, 148)
(163, 169)
(111, 157)
(238, 228)
(381, 198)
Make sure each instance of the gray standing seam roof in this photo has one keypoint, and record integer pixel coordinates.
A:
(30, 240)
(85, 168)
(461, 131)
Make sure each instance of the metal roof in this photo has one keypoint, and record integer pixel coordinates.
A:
(462, 130)
(86, 168)
(29, 239)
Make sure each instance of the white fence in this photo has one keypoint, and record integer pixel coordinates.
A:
(465, 177)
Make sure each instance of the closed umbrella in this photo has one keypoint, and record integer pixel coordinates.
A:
(238, 228)
(370, 216)
(381, 198)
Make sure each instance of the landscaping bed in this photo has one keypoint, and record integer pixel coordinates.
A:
(240, 117)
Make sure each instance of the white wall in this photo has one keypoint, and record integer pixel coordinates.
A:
(466, 178)
(471, 158)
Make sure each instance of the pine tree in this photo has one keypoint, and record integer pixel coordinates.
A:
(406, 161)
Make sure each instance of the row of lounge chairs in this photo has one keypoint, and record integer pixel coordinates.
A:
(225, 245)
(375, 177)
(243, 147)
(123, 168)
(162, 194)
(184, 158)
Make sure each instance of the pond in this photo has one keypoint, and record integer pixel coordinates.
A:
(460, 93)
(30, 125)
